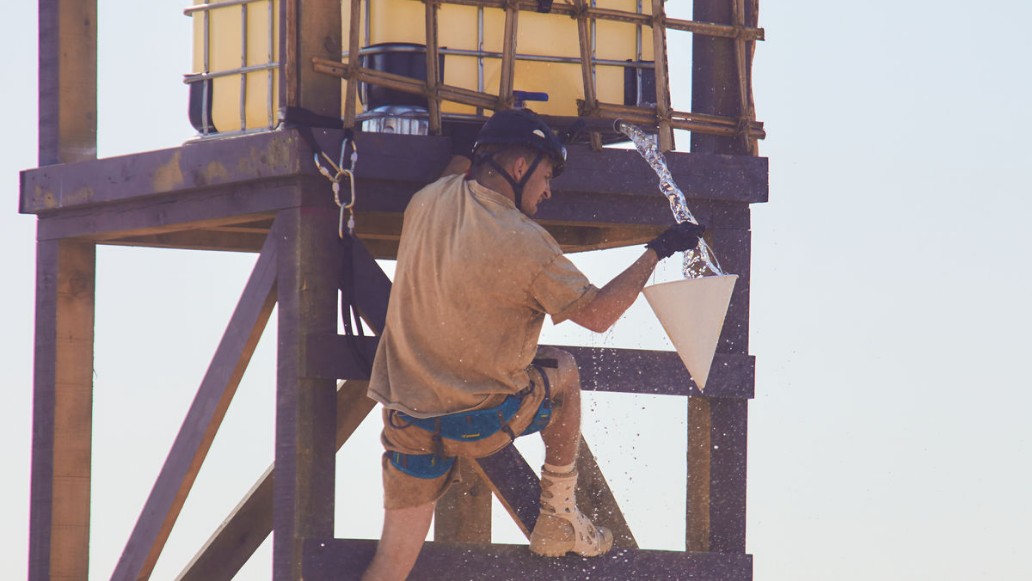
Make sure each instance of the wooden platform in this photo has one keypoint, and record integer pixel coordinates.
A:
(221, 194)
(344, 560)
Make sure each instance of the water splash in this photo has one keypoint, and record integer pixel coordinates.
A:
(700, 259)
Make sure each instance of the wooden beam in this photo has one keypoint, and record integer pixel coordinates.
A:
(62, 428)
(67, 81)
(202, 421)
(660, 372)
(303, 484)
(345, 559)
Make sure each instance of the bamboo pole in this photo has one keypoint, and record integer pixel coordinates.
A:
(354, 63)
(512, 14)
(705, 28)
(433, 99)
(588, 76)
(666, 133)
(746, 113)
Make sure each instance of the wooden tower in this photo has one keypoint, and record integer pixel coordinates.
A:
(259, 191)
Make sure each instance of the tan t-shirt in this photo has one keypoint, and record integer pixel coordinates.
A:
(474, 280)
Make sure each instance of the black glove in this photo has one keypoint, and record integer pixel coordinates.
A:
(677, 238)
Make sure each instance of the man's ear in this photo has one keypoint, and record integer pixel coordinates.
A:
(519, 167)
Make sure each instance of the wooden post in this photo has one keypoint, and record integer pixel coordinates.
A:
(309, 29)
(303, 482)
(59, 522)
(67, 81)
(62, 428)
(716, 494)
(715, 77)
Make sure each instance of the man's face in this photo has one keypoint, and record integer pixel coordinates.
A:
(538, 188)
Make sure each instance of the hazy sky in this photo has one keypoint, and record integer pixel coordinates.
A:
(890, 313)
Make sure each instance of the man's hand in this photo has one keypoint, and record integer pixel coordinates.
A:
(677, 238)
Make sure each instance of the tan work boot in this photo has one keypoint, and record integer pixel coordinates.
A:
(561, 527)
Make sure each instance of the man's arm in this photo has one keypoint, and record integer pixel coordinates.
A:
(616, 297)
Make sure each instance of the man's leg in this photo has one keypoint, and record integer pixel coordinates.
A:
(404, 530)
(561, 527)
(562, 435)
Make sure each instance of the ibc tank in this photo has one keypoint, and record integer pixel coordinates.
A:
(236, 54)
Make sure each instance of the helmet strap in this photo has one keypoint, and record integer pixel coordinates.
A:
(517, 186)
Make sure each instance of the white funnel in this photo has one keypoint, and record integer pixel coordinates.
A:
(692, 313)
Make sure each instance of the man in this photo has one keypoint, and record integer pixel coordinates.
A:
(458, 369)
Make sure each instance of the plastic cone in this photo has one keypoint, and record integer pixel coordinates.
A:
(692, 313)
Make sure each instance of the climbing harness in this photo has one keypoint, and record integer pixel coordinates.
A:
(467, 426)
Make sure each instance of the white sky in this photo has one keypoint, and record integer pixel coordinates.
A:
(890, 308)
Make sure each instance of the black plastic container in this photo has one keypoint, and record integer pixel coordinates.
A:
(399, 58)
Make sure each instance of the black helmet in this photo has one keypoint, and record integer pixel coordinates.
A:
(520, 127)
(523, 127)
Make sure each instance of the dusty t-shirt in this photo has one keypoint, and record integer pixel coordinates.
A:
(474, 280)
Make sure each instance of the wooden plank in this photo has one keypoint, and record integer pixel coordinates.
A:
(303, 485)
(345, 559)
(250, 522)
(59, 517)
(661, 372)
(463, 514)
(203, 419)
(67, 81)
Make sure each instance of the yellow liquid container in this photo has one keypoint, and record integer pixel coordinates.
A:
(547, 45)
(236, 49)
(236, 53)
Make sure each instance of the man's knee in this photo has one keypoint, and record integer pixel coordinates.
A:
(566, 376)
